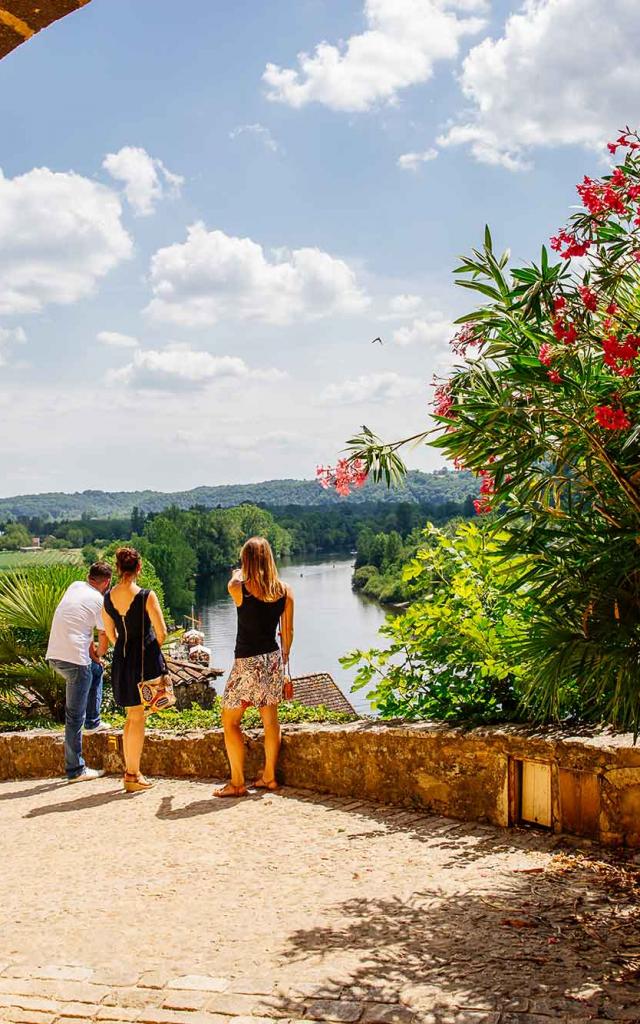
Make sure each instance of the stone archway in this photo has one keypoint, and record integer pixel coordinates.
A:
(21, 19)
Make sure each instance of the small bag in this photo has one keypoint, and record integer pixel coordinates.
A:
(155, 694)
(287, 686)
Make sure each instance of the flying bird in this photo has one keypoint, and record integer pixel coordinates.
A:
(377, 339)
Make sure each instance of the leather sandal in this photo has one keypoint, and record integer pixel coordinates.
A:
(135, 782)
(229, 790)
(261, 783)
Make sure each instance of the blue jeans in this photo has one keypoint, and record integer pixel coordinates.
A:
(82, 707)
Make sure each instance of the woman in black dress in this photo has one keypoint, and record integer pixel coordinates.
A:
(135, 625)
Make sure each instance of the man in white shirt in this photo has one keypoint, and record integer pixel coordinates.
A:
(73, 654)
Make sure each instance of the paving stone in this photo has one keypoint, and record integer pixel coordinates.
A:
(334, 1009)
(526, 1018)
(200, 983)
(59, 972)
(64, 991)
(276, 1006)
(233, 1005)
(371, 993)
(315, 990)
(14, 1015)
(116, 977)
(83, 1010)
(24, 1002)
(139, 998)
(185, 1000)
(118, 1013)
(160, 1016)
(460, 1016)
(255, 986)
(387, 1013)
(154, 979)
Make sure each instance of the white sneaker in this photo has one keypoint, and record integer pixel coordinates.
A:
(87, 775)
(103, 727)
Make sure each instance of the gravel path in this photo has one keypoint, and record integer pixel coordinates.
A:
(169, 907)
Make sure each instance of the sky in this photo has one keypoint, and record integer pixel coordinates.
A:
(209, 210)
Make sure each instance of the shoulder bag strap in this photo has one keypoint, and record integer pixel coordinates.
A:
(144, 602)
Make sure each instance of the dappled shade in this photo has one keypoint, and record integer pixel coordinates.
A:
(21, 19)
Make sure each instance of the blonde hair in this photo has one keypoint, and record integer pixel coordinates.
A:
(259, 569)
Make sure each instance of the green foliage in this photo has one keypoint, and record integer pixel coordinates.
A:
(448, 655)
(545, 406)
(28, 600)
(42, 510)
(14, 537)
(198, 718)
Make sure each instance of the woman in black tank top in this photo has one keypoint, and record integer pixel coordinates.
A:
(263, 603)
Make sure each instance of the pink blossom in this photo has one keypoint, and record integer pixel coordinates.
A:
(343, 476)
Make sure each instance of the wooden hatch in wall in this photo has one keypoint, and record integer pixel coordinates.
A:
(534, 793)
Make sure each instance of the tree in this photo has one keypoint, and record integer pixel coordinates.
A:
(14, 537)
(544, 407)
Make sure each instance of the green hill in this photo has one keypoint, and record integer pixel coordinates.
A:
(439, 486)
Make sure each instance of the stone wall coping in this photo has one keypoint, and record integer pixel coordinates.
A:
(605, 739)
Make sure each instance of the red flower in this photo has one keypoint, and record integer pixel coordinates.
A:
(559, 303)
(465, 338)
(545, 355)
(443, 400)
(343, 476)
(573, 246)
(554, 377)
(636, 255)
(589, 298)
(610, 418)
(612, 309)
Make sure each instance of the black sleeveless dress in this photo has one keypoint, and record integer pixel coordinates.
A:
(257, 676)
(129, 666)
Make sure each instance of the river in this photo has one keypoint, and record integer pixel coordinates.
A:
(330, 620)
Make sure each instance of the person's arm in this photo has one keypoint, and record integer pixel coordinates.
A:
(109, 629)
(98, 651)
(157, 618)
(234, 586)
(286, 624)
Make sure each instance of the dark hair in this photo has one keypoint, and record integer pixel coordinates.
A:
(128, 561)
(100, 571)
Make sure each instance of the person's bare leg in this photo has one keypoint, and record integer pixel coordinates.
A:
(133, 740)
(234, 743)
(271, 723)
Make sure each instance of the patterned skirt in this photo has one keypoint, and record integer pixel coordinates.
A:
(256, 682)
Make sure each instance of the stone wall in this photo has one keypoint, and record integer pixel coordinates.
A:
(593, 780)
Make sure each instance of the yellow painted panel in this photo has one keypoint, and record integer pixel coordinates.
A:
(536, 793)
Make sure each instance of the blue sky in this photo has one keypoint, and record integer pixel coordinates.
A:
(326, 197)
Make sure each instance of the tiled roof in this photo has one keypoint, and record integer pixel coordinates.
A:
(320, 688)
(189, 672)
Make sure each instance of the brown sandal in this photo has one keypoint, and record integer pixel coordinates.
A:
(229, 790)
(136, 782)
(261, 783)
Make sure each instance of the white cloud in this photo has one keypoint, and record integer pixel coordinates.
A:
(214, 276)
(412, 161)
(402, 42)
(433, 332)
(259, 131)
(564, 72)
(10, 336)
(145, 178)
(59, 233)
(373, 387)
(181, 368)
(117, 340)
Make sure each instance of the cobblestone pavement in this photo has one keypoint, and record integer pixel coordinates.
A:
(170, 907)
